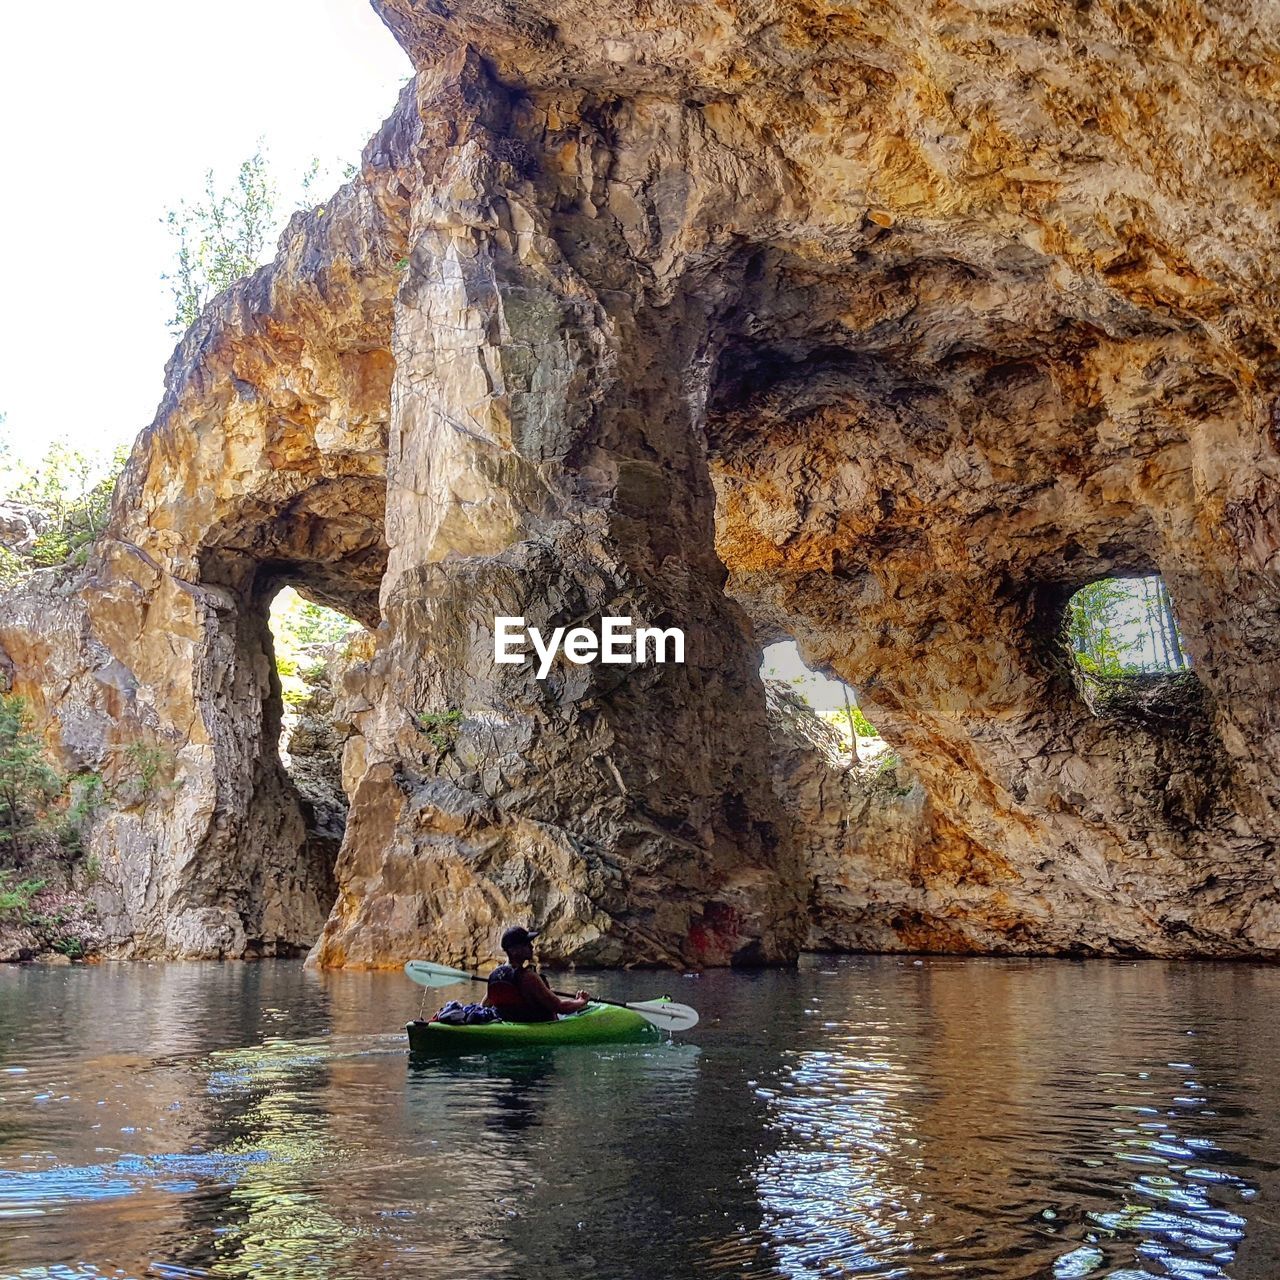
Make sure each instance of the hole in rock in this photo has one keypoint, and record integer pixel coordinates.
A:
(312, 644)
(1125, 626)
(1127, 652)
(832, 701)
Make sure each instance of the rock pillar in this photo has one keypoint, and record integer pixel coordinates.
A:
(545, 462)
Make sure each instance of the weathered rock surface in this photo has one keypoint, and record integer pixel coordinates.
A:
(20, 526)
(312, 741)
(915, 318)
(265, 464)
(879, 861)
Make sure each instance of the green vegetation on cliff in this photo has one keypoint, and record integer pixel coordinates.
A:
(55, 510)
(304, 635)
(219, 238)
(226, 234)
(28, 782)
(847, 719)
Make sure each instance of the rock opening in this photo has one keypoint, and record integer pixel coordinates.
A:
(313, 646)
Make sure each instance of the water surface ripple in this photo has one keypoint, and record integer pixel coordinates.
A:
(883, 1117)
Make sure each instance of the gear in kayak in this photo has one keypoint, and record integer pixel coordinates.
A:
(597, 1024)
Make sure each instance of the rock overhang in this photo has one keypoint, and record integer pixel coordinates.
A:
(942, 306)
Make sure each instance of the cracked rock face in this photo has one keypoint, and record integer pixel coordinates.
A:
(884, 326)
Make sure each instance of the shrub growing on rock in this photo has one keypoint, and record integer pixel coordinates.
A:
(28, 783)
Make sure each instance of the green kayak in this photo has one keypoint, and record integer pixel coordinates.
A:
(596, 1024)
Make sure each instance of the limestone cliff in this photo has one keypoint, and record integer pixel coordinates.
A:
(882, 325)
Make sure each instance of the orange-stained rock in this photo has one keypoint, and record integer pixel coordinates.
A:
(912, 318)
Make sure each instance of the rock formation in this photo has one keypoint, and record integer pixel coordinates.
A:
(20, 526)
(884, 326)
(312, 742)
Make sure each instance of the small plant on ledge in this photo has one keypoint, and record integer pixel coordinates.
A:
(152, 769)
(440, 728)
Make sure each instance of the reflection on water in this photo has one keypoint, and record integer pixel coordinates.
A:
(1025, 1119)
(840, 1185)
(877, 1117)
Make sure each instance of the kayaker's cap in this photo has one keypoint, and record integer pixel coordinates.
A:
(517, 937)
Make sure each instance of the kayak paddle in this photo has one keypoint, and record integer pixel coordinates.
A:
(662, 1013)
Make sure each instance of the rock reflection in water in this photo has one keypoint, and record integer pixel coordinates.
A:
(879, 1117)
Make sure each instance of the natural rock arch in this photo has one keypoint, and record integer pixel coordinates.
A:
(918, 519)
(912, 324)
(266, 464)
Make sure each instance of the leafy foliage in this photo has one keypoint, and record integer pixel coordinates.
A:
(15, 899)
(220, 238)
(440, 728)
(296, 623)
(299, 631)
(152, 767)
(847, 720)
(839, 719)
(1120, 626)
(71, 945)
(86, 795)
(225, 234)
(18, 906)
(28, 783)
(68, 496)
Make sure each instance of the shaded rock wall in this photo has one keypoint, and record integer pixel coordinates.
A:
(546, 463)
(872, 848)
(313, 742)
(913, 318)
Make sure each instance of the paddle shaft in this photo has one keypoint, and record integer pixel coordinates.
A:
(663, 1014)
(564, 995)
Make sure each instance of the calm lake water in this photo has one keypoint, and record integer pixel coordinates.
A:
(859, 1117)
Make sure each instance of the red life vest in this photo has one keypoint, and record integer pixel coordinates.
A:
(509, 993)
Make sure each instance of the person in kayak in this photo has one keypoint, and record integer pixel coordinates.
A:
(518, 991)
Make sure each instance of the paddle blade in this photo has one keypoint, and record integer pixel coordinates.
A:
(426, 974)
(666, 1014)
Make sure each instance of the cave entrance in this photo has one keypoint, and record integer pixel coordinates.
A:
(272, 848)
(1128, 659)
(1119, 627)
(311, 646)
(832, 701)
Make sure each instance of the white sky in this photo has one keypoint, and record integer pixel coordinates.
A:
(112, 113)
(782, 662)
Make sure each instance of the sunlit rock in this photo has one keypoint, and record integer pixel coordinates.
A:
(882, 327)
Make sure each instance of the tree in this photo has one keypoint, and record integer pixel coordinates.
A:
(301, 631)
(1153, 629)
(1174, 639)
(27, 781)
(853, 728)
(850, 719)
(1092, 626)
(297, 623)
(1109, 623)
(69, 493)
(224, 236)
(221, 237)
